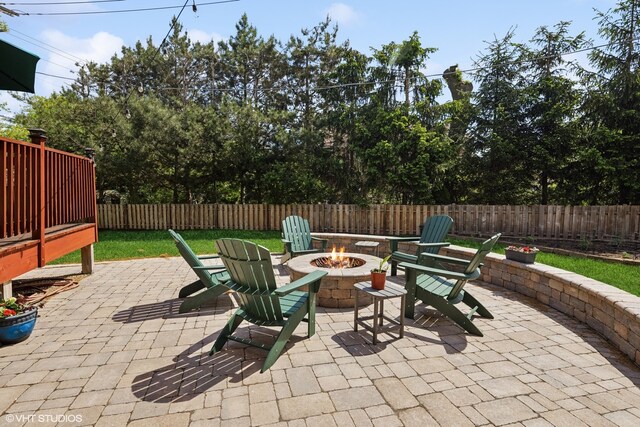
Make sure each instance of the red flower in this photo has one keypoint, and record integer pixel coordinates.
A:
(8, 312)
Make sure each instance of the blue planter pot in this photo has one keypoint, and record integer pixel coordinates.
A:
(17, 328)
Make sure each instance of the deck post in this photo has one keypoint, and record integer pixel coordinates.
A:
(39, 137)
(86, 254)
(6, 290)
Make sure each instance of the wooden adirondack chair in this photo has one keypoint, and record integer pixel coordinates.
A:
(261, 303)
(297, 239)
(430, 285)
(211, 278)
(434, 231)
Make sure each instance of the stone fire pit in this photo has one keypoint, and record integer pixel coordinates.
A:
(337, 289)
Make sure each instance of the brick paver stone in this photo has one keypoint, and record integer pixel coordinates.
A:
(302, 381)
(305, 406)
(505, 411)
(395, 393)
(443, 411)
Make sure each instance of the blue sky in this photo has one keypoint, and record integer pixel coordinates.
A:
(459, 29)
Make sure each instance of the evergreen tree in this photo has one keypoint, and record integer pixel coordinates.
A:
(612, 108)
(498, 171)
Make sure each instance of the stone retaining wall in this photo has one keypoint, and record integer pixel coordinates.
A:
(610, 311)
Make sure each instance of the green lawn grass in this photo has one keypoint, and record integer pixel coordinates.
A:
(119, 245)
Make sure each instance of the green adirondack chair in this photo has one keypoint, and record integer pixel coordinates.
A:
(443, 288)
(434, 231)
(261, 303)
(210, 278)
(297, 238)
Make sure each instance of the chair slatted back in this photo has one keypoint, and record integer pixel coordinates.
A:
(474, 263)
(190, 257)
(296, 230)
(434, 230)
(251, 271)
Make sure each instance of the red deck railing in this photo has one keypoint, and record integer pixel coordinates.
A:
(42, 188)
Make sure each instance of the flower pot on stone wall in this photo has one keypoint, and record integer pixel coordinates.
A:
(523, 257)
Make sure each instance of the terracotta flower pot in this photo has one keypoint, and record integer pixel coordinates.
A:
(378, 279)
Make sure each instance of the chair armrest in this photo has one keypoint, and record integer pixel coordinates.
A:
(209, 257)
(444, 258)
(433, 245)
(393, 241)
(209, 267)
(303, 281)
(287, 245)
(403, 239)
(443, 273)
(322, 241)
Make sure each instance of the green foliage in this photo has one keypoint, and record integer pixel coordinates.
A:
(253, 119)
(612, 106)
(12, 130)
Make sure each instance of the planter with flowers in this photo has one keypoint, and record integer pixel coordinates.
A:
(17, 320)
(379, 274)
(523, 254)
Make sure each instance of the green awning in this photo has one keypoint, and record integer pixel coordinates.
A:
(17, 68)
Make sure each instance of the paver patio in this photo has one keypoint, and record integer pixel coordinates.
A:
(114, 351)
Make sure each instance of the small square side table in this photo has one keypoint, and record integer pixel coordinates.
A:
(390, 290)
(368, 244)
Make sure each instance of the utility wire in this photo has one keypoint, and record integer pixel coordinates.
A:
(122, 10)
(155, 54)
(57, 65)
(48, 47)
(62, 2)
(57, 77)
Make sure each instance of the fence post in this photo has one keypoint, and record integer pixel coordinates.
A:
(38, 137)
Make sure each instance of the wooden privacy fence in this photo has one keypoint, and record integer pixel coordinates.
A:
(563, 222)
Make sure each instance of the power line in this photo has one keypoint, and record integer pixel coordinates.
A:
(62, 2)
(56, 64)
(155, 54)
(53, 75)
(122, 10)
(49, 48)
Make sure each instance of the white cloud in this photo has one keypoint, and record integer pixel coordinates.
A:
(61, 58)
(343, 14)
(71, 50)
(204, 37)
(99, 48)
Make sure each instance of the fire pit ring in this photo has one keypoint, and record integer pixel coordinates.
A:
(337, 289)
(345, 262)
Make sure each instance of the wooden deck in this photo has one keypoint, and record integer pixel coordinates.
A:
(43, 189)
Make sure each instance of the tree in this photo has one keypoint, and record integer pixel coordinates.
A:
(612, 105)
(551, 109)
(495, 154)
